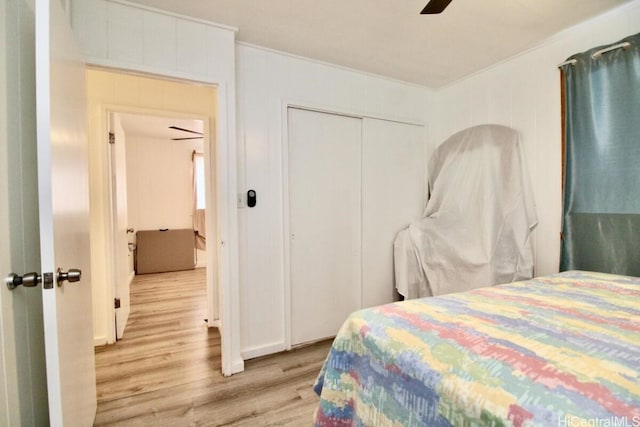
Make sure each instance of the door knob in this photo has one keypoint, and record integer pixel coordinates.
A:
(73, 275)
(28, 280)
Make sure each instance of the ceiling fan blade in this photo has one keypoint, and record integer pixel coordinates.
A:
(435, 7)
(185, 139)
(185, 130)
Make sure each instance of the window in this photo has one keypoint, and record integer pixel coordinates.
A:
(199, 183)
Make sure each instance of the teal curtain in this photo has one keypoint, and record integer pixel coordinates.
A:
(601, 218)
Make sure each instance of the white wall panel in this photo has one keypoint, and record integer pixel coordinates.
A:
(191, 41)
(159, 40)
(220, 56)
(125, 31)
(524, 92)
(634, 18)
(90, 20)
(261, 232)
(159, 183)
(124, 35)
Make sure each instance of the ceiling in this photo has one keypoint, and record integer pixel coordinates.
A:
(390, 37)
(158, 127)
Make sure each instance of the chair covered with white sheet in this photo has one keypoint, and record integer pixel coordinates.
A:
(477, 224)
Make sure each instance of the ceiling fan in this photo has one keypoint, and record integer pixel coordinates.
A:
(435, 7)
(186, 130)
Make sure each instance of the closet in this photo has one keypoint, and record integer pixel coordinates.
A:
(353, 183)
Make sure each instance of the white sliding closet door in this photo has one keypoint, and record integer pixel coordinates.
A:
(324, 222)
(393, 195)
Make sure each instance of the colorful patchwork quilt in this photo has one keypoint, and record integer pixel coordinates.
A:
(560, 350)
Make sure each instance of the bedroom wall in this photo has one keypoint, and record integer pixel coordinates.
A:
(524, 93)
(267, 82)
(159, 183)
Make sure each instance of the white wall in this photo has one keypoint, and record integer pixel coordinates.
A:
(23, 387)
(159, 183)
(267, 82)
(524, 93)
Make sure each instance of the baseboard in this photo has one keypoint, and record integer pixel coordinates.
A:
(100, 341)
(237, 366)
(263, 350)
(201, 256)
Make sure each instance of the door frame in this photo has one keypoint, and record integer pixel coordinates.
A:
(212, 200)
(222, 132)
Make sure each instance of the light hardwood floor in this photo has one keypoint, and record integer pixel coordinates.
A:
(166, 369)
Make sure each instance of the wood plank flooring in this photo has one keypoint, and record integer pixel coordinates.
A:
(166, 369)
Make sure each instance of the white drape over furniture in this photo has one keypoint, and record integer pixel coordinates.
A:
(477, 222)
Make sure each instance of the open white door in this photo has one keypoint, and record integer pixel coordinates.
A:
(63, 186)
(121, 256)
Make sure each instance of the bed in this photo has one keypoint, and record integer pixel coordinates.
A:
(560, 350)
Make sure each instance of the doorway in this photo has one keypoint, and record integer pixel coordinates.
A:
(158, 199)
(189, 104)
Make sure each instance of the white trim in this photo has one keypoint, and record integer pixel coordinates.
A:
(174, 15)
(110, 253)
(100, 341)
(286, 265)
(229, 287)
(348, 112)
(237, 365)
(263, 350)
(149, 71)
